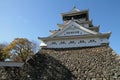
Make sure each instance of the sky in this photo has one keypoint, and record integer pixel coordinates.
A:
(34, 18)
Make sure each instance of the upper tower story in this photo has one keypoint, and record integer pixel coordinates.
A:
(79, 16)
(76, 14)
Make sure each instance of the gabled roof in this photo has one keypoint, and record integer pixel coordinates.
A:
(62, 25)
(78, 21)
(72, 22)
(74, 10)
(105, 35)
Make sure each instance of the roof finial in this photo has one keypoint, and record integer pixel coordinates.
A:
(74, 9)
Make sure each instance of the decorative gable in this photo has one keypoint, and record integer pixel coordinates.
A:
(72, 28)
(72, 31)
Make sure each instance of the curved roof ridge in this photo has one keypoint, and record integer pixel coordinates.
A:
(75, 9)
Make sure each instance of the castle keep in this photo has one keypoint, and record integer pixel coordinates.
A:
(86, 54)
(76, 31)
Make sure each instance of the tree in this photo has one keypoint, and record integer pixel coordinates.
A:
(3, 55)
(21, 49)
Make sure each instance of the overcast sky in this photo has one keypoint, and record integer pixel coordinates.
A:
(34, 18)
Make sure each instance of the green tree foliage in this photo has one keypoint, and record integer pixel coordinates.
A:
(21, 49)
(3, 55)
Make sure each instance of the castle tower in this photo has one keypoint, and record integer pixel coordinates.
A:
(76, 31)
(71, 63)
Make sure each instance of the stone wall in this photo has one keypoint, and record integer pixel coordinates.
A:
(96, 63)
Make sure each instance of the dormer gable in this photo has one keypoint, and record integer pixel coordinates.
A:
(72, 29)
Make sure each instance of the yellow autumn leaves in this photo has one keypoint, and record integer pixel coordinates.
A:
(20, 49)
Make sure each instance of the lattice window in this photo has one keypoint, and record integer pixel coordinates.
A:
(81, 41)
(72, 42)
(54, 43)
(62, 42)
(92, 41)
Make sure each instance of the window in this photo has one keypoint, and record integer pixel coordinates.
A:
(67, 32)
(92, 41)
(62, 42)
(54, 43)
(81, 41)
(75, 32)
(72, 42)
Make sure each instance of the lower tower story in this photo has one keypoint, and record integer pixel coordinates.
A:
(74, 43)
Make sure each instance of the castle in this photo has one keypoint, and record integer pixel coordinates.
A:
(96, 61)
(77, 30)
